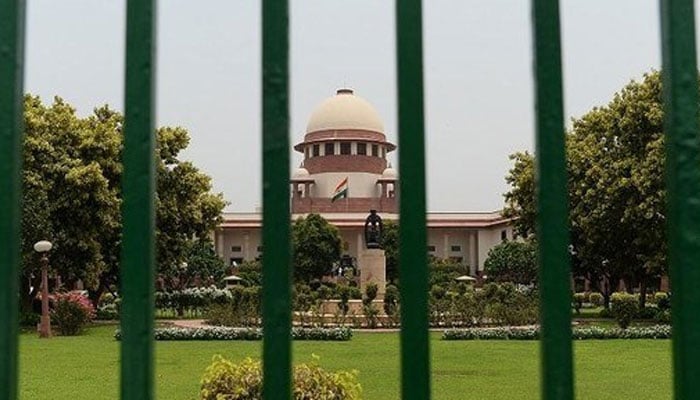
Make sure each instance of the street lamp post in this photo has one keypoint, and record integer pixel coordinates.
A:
(43, 247)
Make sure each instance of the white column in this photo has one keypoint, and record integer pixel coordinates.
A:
(360, 243)
(446, 245)
(220, 243)
(474, 252)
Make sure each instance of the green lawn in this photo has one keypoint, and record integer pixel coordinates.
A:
(86, 367)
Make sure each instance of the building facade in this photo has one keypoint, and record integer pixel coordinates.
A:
(344, 174)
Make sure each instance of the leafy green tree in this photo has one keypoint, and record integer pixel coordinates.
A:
(520, 200)
(316, 247)
(390, 244)
(72, 195)
(251, 273)
(186, 210)
(203, 267)
(512, 261)
(615, 159)
(442, 272)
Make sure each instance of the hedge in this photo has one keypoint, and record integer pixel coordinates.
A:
(225, 333)
(578, 333)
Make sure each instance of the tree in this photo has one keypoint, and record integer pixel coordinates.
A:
(186, 211)
(615, 158)
(390, 244)
(201, 268)
(443, 271)
(72, 194)
(512, 261)
(316, 247)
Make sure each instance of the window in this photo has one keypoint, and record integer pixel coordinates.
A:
(455, 249)
(306, 152)
(457, 260)
(236, 249)
(383, 152)
(330, 149)
(345, 148)
(504, 235)
(316, 150)
(362, 149)
(375, 150)
(235, 261)
(431, 248)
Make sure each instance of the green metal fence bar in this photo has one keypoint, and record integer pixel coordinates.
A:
(11, 133)
(415, 351)
(276, 218)
(680, 84)
(552, 225)
(138, 244)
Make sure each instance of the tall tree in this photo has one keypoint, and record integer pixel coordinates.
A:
(616, 190)
(512, 261)
(390, 244)
(316, 245)
(72, 194)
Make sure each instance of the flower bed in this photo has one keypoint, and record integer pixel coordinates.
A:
(578, 333)
(225, 333)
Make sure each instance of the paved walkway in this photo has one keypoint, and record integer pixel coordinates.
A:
(185, 323)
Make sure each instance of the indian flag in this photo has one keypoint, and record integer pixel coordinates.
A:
(341, 191)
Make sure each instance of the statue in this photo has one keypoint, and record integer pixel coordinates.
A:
(373, 230)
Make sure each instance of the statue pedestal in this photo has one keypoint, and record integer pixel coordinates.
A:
(372, 263)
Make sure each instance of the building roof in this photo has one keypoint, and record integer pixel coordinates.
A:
(434, 219)
(345, 110)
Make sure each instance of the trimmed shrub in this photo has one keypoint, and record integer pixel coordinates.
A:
(391, 304)
(578, 333)
(605, 313)
(107, 312)
(624, 308)
(72, 311)
(225, 380)
(596, 299)
(663, 317)
(647, 313)
(29, 319)
(578, 300)
(368, 308)
(663, 300)
(507, 304)
(241, 307)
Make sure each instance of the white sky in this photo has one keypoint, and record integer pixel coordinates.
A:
(479, 100)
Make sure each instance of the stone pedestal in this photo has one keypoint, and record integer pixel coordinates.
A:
(372, 263)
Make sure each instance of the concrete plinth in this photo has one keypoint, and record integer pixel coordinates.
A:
(372, 263)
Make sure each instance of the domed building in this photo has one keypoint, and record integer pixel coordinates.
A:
(345, 168)
(344, 174)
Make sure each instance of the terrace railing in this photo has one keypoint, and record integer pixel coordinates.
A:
(137, 365)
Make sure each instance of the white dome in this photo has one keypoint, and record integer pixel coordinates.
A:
(345, 111)
(301, 172)
(389, 173)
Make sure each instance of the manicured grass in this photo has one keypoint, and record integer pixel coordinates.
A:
(86, 367)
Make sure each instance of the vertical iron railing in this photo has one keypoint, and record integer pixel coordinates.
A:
(276, 217)
(680, 86)
(552, 205)
(138, 209)
(415, 353)
(11, 135)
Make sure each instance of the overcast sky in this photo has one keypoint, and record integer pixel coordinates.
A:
(479, 100)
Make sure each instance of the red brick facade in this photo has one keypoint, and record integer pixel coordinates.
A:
(345, 163)
(357, 204)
